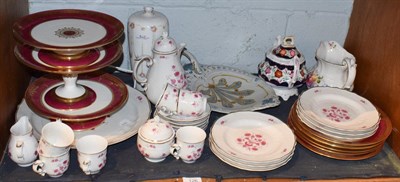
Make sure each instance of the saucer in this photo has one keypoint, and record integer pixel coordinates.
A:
(116, 128)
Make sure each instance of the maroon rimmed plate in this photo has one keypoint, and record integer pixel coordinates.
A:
(111, 95)
(67, 30)
(50, 62)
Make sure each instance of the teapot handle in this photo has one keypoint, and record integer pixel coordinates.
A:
(195, 64)
(142, 79)
(351, 72)
(296, 69)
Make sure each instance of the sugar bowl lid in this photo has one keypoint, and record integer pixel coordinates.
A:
(165, 44)
(156, 130)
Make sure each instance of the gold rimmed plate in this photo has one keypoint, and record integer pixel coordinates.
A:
(111, 95)
(67, 31)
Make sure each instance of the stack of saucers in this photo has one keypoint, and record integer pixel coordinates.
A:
(178, 121)
(252, 141)
(338, 124)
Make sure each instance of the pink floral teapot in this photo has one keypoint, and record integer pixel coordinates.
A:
(284, 67)
(164, 68)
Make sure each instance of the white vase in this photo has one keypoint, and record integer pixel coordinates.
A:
(144, 28)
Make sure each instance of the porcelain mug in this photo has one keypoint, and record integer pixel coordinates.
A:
(92, 153)
(189, 143)
(191, 103)
(56, 139)
(168, 102)
(54, 166)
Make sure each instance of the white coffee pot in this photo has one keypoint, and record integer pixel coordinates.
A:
(335, 67)
(164, 68)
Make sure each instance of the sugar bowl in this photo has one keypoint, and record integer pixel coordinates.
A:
(155, 138)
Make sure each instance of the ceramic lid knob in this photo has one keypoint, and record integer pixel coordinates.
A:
(156, 130)
(165, 44)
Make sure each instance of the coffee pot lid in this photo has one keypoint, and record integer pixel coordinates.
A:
(165, 44)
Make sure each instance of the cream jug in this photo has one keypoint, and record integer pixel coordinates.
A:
(164, 68)
(144, 28)
(22, 145)
(335, 67)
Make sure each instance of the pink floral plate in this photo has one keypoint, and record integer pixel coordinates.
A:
(111, 94)
(253, 136)
(67, 30)
(339, 109)
(50, 62)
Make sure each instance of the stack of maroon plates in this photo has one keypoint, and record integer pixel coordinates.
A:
(71, 44)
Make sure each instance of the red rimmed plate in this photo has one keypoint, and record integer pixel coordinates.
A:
(32, 58)
(111, 95)
(67, 30)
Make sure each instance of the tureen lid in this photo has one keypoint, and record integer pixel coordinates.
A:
(156, 130)
(284, 51)
(165, 44)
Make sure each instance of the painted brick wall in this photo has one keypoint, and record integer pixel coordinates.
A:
(231, 32)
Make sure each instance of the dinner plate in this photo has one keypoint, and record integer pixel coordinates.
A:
(111, 94)
(253, 136)
(339, 108)
(230, 90)
(50, 62)
(67, 30)
(116, 128)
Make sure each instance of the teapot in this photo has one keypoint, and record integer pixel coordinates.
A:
(284, 67)
(165, 68)
(335, 67)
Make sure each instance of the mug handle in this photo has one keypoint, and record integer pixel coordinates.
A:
(138, 78)
(195, 64)
(351, 72)
(37, 167)
(85, 167)
(20, 149)
(174, 150)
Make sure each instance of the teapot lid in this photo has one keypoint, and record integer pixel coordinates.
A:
(165, 44)
(156, 130)
(286, 49)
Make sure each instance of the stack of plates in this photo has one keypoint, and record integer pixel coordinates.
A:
(252, 141)
(338, 113)
(338, 124)
(178, 121)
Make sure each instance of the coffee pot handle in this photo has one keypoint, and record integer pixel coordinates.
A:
(351, 72)
(142, 79)
(195, 64)
(20, 147)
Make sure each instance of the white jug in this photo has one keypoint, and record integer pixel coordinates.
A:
(164, 68)
(335, 67)
(22, 146)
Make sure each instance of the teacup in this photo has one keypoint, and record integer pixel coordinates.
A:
(169, 99)
(92, 153)
(56, 139)
(191, 103)
(189, 143)
(54, 166)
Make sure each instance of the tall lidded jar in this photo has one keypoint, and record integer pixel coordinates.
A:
(144, 28)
